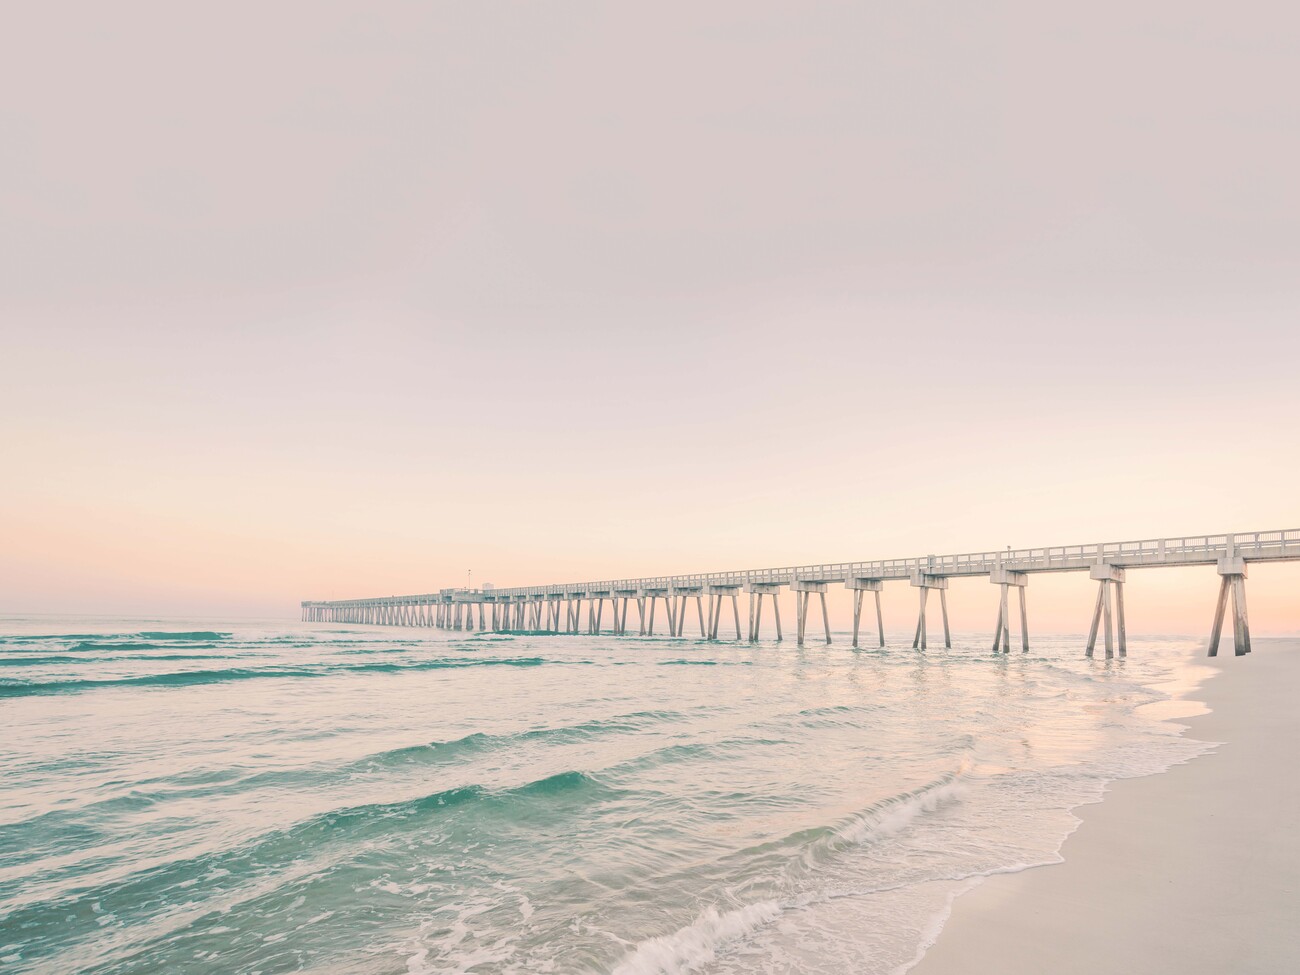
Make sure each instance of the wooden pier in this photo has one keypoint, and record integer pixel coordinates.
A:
(559, 608)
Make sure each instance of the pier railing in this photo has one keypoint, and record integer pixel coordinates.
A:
(1187, 550)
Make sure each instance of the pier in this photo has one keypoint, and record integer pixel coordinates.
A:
(561, 608)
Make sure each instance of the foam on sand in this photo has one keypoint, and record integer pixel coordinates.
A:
(1188, 871)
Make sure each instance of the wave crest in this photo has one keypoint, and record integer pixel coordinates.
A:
(892, 815)
(690, 948)
(187, 678)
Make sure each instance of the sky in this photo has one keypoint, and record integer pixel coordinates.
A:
(312, 300)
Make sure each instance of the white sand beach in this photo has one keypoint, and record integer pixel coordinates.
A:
(1193, 871)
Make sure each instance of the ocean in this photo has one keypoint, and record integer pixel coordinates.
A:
(201, 796)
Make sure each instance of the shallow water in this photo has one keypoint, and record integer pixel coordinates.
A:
(200, 796)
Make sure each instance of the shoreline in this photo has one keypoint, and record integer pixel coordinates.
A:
(1195, 869)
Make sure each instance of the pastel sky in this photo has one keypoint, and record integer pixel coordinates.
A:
(312, 299)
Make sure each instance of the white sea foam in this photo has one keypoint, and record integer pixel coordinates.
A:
(695, 945)
(894, 815)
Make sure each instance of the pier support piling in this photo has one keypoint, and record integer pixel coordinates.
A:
(803, 591)
(1008, 580)
(859, 588)
(1232, 570)
(653, 596)
(925, 582)
(716, 594)
(757, 590)
(682, 600)
(1109, 610)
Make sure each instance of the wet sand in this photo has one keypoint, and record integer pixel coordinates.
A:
(1196, 870)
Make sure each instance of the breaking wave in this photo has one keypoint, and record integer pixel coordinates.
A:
(695, 945)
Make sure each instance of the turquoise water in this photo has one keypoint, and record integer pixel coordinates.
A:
(206, 796)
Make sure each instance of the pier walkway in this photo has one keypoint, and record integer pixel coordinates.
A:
(560, 608)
